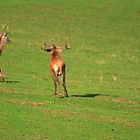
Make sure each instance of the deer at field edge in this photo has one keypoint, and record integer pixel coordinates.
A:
(3, 41)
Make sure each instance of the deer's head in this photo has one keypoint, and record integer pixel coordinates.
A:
(4, 39)
(54, 48)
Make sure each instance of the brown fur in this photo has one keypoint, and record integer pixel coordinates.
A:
(3, 41)
(57, 67)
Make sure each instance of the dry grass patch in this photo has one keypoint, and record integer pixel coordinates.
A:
(6, 90)
(116, 121)
(124, 101)
(90, 116)
(26, 103)
(58, 113)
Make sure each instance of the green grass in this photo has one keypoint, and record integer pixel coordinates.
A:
(104, 38)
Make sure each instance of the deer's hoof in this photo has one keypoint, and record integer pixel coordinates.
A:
(66, 95)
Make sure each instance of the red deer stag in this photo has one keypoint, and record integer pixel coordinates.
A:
(57, 67)
(3, 41)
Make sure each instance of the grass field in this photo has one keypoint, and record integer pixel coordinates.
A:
(103, 70)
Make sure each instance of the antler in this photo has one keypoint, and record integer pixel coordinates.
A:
(5, 27)
(67, 46)
(44, 46)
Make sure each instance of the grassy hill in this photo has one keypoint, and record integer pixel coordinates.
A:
(103, 64)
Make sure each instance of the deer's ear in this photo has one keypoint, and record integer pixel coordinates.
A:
(5, 34)
(53, 45)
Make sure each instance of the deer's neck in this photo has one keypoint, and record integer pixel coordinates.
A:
(54, 56)
(1, 44)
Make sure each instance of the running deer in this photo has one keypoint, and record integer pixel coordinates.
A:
(3, 41)
(57, 66)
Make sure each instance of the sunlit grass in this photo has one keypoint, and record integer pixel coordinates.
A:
(102, 70)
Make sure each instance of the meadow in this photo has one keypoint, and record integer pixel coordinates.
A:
(102, 74)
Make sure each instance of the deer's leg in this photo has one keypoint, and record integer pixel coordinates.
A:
(56, 81)
(55, 88)
(64, 82)
(2, 75)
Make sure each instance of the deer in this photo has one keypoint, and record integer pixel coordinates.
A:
(57, 67)
(3, 41)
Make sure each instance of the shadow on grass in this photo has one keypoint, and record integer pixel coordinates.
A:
(8, 81)
(86, 95)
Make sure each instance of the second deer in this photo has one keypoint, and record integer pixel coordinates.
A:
(57, 67)
(3, 41)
